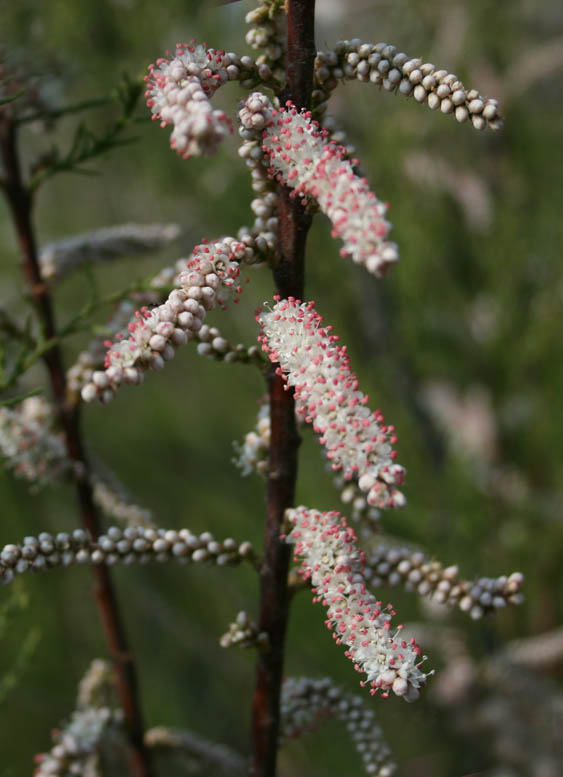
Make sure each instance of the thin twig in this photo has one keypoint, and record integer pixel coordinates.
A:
(20, 202)
(289, 280)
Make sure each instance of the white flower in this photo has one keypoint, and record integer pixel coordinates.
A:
(334, 563)
(300, 156)
(327, 395)
(178, 92)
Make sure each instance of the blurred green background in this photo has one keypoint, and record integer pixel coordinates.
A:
(461, 346)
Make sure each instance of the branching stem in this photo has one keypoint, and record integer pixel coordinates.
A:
(20, 202)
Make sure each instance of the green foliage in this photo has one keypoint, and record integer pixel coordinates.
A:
(87, 145)
(16, 601)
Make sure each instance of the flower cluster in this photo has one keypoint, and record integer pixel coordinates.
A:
(126, 546)
(384, 65)
(76, 745)
(92, 358)
(60, 258)
(253, 453)
(416, 572)
(30, 446)
(304, 702)
(300, 156)
(178, 92)
(252, 456)
(211, 276)
(332, 560)
(356, 440)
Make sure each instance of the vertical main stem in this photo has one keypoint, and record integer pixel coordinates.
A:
(20, 203)
(294, 225)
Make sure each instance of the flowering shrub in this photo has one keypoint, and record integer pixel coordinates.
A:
(297, 167)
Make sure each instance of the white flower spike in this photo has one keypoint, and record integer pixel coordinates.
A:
(327, 395)
(332, 560)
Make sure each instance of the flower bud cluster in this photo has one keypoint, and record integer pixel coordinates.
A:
(327, 395)
(94, 355)
(416, 572)
(256, 246)
(265, 206)
(59, 259)
(396, 72)
(332, 560)
(265, 227)
(300, 156)
(305, 702)
(359, 508)
(211, 276)
(30, 447)
(244, 633)
(178, 92)
(267, 33)
(252, 455)
(125, 546)
(76, 745)
(213, 344)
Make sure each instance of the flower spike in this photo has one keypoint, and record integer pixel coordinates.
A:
(327, 395)
(301, 157)
(333, 562)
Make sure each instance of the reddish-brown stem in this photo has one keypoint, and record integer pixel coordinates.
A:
(20, 203)
(294, 224)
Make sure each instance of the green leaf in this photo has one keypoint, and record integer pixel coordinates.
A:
(12, 401)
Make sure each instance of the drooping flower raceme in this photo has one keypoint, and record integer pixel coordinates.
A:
(300, 156)
(327, 395)
(135, 544)
(332, 560)
(305, 702)
(178, 92)
(154, 334)
(428, 577)
(395, 71)
(30, 445)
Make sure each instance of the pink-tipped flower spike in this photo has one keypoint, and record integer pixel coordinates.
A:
(301, 157)
(332, 560)
(178, 92)
(327, 395)
(211, 277)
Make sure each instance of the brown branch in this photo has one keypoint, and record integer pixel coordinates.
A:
(20, 203)
(294, 224)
